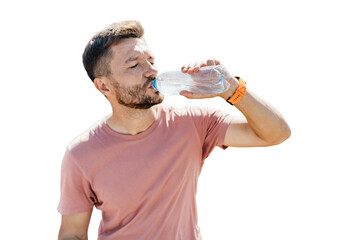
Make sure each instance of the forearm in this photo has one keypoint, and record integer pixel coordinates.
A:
(267, 123)
(265, 120)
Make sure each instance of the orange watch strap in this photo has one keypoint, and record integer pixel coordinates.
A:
(239, 92)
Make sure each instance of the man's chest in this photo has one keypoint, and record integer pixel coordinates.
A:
(143, 172)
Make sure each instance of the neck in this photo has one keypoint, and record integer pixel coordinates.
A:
(131, 121)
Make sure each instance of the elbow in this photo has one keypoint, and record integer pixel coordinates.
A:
(71, 238)
(282, 136)
(279, 136)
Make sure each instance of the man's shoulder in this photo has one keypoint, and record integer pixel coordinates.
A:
(86, 139)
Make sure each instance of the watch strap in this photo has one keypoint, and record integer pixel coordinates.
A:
(239, 92)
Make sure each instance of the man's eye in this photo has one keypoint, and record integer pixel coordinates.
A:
(134, 66)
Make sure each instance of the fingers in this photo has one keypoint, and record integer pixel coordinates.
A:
(191, 68)
(195, 67)
(212, 62)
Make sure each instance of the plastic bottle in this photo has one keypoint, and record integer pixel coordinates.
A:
(208, 80)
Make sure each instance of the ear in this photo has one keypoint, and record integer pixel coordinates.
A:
(103, 85)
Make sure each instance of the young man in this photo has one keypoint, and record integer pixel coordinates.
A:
(140, 165)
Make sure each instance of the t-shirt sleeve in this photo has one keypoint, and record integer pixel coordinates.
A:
(76, 195)
(212, 126)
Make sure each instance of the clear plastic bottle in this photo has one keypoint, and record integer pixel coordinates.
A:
(208, 80)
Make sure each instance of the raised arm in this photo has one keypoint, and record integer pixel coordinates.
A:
(264, 125)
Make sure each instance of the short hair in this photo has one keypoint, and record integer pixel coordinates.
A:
(97, 54)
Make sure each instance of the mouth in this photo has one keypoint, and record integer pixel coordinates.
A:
(152, 87)
(150, 84)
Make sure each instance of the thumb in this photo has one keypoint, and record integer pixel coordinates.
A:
(187, 94)
(192, 95)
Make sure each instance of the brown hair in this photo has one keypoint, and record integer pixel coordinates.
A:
(97, 52)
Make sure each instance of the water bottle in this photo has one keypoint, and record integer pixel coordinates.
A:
(208, 80)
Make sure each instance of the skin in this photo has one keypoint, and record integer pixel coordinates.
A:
(264, 125)
(132, 68)
(132, 65)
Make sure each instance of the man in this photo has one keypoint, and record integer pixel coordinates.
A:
(140, 165)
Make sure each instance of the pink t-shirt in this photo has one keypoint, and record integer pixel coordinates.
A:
(144, 184)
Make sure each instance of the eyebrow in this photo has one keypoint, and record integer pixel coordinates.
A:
(135, 58)
(131, 59)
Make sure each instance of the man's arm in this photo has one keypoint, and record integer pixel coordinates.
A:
(75, 226)
(265, 126)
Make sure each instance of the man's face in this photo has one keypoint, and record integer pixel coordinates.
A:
(132, 71)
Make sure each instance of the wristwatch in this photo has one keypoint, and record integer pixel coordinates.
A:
(239, 92)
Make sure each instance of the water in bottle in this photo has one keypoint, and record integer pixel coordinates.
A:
(208, 80)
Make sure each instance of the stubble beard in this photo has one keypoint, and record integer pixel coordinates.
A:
(136, 97)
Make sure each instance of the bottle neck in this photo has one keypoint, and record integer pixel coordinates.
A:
(154, 84)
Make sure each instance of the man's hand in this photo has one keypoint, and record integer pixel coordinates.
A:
(264, 125)
(195, 67)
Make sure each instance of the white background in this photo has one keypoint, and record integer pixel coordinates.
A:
(301, 56)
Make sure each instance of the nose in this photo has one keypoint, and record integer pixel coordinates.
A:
(151, 71)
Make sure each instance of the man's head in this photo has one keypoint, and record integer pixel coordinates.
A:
(97, 53)
(120, 64)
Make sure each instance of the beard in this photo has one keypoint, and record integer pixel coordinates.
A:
(136, 97)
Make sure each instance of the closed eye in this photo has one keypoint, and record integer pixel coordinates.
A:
(134, 66)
